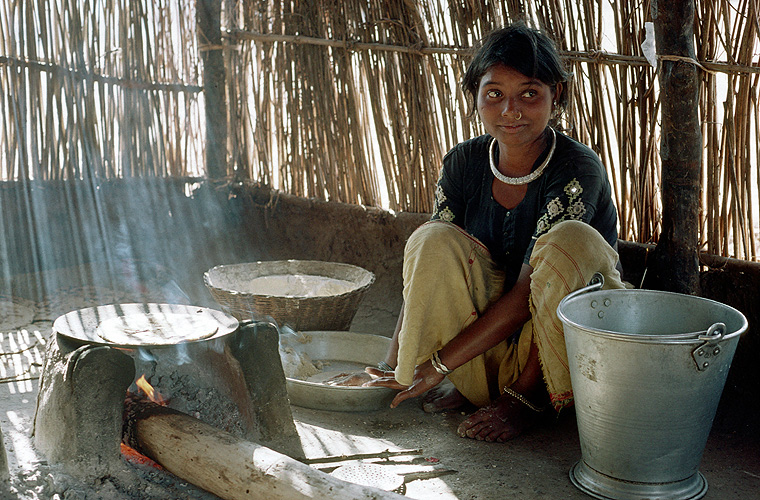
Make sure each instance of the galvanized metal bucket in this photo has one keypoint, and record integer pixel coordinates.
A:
(647, 369)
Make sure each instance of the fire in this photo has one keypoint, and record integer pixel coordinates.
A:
(135, 457)
(144, 391)
(149, 391)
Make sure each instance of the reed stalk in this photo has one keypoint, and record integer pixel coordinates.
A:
(357, 100)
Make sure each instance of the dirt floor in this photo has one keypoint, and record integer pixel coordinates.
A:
(434, 462)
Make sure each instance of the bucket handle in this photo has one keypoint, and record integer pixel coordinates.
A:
(704, 353)
(595, 283)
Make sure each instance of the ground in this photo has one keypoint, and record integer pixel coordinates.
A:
(532, 467)
(439, 464)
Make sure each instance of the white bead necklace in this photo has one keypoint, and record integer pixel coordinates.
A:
(518, 181)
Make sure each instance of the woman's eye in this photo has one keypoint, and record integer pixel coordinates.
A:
(529, 93)
(493, 94)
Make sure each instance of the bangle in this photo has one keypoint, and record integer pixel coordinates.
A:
(522, 399)
(438, 366)
(385, 366)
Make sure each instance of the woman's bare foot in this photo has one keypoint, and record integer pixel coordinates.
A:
(504, 419)
(443, 397)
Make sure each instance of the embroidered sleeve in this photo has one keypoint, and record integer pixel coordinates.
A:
(441, 210)
(568, 206)
(449, 204)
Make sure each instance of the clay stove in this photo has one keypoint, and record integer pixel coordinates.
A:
(222, 372)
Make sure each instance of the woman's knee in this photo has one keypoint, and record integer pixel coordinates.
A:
(572, 240)
(573, 233)
(431, 233)
(438, 237)
(574, 230)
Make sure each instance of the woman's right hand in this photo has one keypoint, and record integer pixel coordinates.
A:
(425, 378)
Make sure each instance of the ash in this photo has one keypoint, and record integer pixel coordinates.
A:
(135, 482)
(207, 403)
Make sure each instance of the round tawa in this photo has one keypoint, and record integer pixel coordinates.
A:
(144, 325)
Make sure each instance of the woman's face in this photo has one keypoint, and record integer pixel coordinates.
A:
(514, 108)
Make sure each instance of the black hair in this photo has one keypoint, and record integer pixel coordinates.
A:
(524, 49)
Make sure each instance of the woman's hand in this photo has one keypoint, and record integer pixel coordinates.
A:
(425, 378)
(349, 379)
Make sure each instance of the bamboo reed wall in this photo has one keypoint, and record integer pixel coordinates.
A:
(358, 100)
(98, 89)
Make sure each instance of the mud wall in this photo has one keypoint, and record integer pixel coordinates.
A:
(124, 232)
(183, 227)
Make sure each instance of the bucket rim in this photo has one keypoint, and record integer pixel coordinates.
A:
(672, 338)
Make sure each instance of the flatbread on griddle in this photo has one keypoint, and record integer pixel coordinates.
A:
(157, 328)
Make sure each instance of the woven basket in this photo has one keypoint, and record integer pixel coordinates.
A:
(332, 312)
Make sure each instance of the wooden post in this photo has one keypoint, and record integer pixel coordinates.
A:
(676, 266)
(208, 14)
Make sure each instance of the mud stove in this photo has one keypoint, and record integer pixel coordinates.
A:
(207, 364)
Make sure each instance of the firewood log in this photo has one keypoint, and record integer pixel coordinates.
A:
(227, 466)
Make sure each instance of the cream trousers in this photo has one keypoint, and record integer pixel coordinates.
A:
(450, 280)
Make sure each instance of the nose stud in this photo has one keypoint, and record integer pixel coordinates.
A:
(518, 115)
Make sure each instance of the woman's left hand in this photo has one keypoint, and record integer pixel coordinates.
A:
(425, 378)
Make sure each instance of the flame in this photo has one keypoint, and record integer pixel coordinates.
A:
(135, 457)
(149, 391)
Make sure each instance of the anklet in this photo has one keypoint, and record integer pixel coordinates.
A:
(385, 366)
(522, 399)
(438, 366)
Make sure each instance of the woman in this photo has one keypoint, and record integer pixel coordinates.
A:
(523, 215)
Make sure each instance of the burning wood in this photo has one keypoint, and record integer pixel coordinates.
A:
(151, 393)
(229, 467)
(133, 456)
(145, 390)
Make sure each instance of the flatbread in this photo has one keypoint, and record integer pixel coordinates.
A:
(157, 328)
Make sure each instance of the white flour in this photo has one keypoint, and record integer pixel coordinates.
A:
(296, 285)
(297, 364)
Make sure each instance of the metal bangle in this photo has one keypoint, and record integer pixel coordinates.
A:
(438, 366)
(522, 399)
(385, 366)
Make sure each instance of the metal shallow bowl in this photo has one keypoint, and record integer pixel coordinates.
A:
(338, 351)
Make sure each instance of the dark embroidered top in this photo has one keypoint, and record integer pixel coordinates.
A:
(573, 186)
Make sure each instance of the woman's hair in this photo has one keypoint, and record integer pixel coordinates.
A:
(524, 49)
